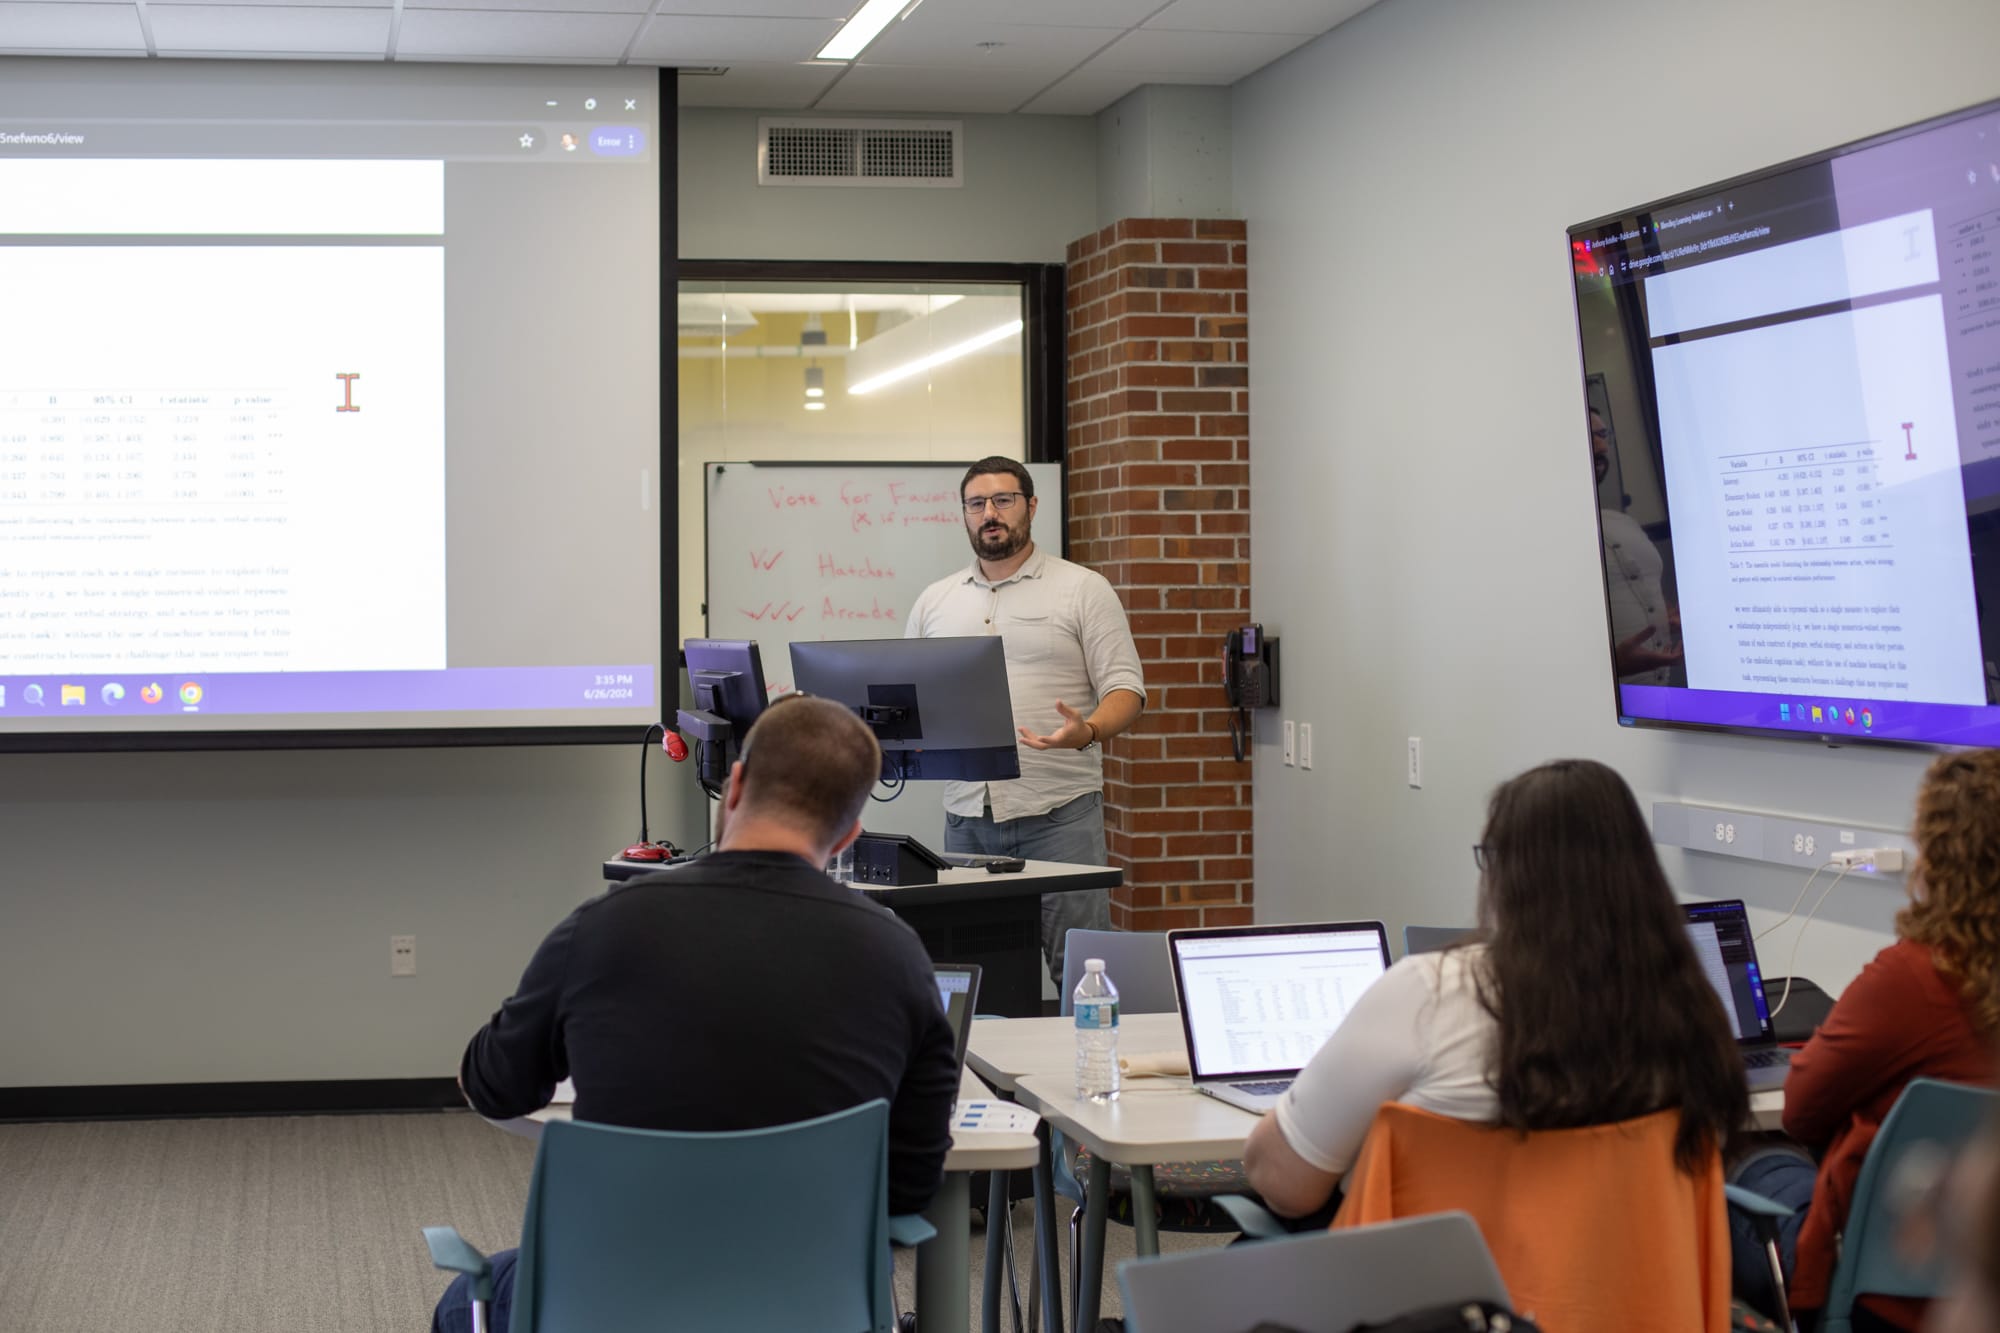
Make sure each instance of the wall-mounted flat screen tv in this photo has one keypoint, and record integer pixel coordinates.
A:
(1792, 385)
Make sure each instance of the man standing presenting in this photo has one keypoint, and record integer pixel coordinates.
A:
(1075, 680)
(741, 991)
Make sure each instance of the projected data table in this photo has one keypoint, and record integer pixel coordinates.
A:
(1801, 499)
(153, 446)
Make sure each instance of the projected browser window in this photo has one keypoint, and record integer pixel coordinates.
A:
(328, 404)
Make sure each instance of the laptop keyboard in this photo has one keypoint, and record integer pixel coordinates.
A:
(1267, 1088)
(1767, 1059)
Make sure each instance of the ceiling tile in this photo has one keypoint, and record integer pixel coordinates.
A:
(837, 10)
(776, 87)
(539, 6)
(1195, 57)
(1086, 92)
(468, 33)
(1058, 50)
(233, 28)
(906, 88)
(1307, 17)
(50, 27)
(675, 40)
(1055, 13)
(384, 5)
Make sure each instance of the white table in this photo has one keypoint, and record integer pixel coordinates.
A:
(944, 1263)
(1154, 1120)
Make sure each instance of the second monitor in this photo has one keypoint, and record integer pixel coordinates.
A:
(939, 707)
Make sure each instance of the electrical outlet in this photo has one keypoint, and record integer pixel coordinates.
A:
(1291, 743)
(1416, 774)
(1305, 745)
(402, 955)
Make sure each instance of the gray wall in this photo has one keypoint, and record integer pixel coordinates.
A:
(179, 918)
(1417, 407)
(1030, 189)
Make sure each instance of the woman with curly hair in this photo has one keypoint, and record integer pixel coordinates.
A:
(1928, 1006)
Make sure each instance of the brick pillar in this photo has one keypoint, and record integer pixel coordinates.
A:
(1159, 503)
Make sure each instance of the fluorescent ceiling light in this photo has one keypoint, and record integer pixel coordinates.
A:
(857, 32)
(815, 406)
(951, 353)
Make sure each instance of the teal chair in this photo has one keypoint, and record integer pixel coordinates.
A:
(1925, 1129)
(1316, 1282)
(644, 1229)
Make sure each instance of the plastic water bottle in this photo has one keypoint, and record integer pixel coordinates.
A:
(1095, 1004)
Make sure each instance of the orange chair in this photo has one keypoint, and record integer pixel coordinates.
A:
(1591, 1228)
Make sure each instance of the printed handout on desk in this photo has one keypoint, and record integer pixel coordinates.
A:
(994, 1117)
(565, 1094)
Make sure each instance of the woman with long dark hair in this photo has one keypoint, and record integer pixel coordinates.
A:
(1578, 1002)
(1928, 1006)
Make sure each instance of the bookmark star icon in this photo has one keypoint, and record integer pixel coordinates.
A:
(527, 141)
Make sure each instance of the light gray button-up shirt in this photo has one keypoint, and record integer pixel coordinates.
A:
(1066, 637)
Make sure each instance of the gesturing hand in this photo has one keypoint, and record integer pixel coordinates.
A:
(1073, 734)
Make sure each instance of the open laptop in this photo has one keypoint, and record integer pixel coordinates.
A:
(958, 989)
(1728, 954)
(1258, 1001)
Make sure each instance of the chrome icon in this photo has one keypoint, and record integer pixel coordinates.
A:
(190, 694)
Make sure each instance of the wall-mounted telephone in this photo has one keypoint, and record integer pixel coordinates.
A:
(1249, 679)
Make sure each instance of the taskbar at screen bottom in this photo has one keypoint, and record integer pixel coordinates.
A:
(1821, 717)
(164, 697)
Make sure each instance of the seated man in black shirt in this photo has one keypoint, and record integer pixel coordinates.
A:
(739, 991)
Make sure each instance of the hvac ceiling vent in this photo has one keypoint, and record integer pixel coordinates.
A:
(906, 153)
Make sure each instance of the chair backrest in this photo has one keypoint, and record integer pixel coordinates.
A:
(1591, 1228)
(1924, 1130)
(1318, 1282)
(632, 1228)
(1429, 939)
(1135, 960)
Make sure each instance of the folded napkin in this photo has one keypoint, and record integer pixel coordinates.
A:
(1157, 1064)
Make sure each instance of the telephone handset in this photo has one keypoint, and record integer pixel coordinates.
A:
(1250, 668)
(1249, 679)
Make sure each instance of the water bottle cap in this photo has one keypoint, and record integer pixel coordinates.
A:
(1093, 964)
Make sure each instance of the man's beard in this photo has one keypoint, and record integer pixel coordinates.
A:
(991, 544)
(1602, 464)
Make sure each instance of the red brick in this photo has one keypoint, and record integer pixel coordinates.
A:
(1174, 229)
(1128, 252)
(1223, 279)
(1223, 376)
(1170, 377)
(1237, 820)
(1164, 277)
(1166, 821)
(1164, 872)
(1197, 302)
(1202, 844)
(1225, 916)
(1197, 400)
(1228, 868)
(1239, 254)
(1198, 498)
(1226, 228)
(1204, 794)
(1198, 451)
(1155, 326)
(1215, 521)
(1195, 252)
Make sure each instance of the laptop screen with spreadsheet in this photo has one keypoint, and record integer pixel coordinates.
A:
(1258, 1001)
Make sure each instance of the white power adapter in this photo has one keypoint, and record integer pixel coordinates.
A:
(1882, 859)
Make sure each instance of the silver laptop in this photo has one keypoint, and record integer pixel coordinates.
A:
(1728, 954)
(1258, 1001)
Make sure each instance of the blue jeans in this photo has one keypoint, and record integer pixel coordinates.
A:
(1073, 832)
(454, 1308)
(1783, 1175)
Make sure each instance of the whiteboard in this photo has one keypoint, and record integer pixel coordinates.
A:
(842, 551)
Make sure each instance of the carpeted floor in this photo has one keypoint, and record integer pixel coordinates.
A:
(264, 1224)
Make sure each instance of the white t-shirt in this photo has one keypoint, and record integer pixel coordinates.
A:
(1418, 1036)
(1065, 636)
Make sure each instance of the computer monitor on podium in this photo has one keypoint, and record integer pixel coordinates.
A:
(726, 677)
(940, 707)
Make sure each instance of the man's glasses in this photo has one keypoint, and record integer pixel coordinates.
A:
(1002, 503)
